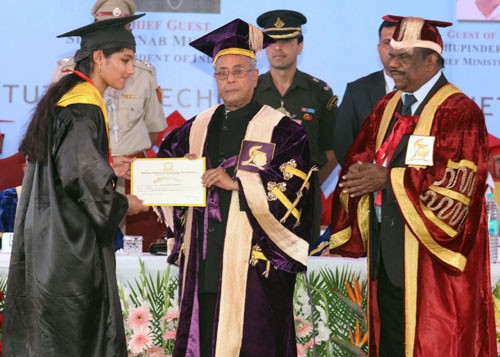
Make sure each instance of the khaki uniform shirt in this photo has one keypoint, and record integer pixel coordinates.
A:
(134, 111)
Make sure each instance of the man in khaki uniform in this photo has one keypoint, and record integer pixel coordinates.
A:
(135, 113)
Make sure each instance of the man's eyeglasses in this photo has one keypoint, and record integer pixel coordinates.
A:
(238, 73)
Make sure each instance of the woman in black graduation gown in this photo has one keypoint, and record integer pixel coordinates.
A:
(62, 297)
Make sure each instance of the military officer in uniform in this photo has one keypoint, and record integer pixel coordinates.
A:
(304, 98)
(136, 116)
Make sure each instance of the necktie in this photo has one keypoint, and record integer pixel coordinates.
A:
(403, 126)
(408, 102)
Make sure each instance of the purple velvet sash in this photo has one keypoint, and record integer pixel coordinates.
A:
(212, 210)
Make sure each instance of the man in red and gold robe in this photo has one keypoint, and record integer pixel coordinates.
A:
(412, 197)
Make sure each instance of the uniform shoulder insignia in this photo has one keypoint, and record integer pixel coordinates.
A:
(144, 65)
(66, 61)
(332, 102)
(318, 82)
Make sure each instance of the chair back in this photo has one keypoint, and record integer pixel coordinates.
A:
(11, 171)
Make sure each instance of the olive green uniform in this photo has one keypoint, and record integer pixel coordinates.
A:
(309, 101)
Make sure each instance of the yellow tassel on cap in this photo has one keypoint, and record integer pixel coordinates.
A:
(255, 38)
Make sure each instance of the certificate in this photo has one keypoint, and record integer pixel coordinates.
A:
(168, 182)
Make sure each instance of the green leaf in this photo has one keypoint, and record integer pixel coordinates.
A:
(339, 314)
(155, 291)
(349, 347)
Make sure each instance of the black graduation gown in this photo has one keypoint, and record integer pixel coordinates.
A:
(62, 297)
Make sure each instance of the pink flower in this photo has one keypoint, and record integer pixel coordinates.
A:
(302, 349)
(139, 342)
(155, 351)
(309, 344)
(169, 335)
(139, 317)
(302, 327)
(171, 315)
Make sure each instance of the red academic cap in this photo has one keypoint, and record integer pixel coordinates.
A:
(236, 37)
(416, 32)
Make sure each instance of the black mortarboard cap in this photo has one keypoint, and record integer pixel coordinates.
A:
(282, 24)
(102, 35)
(236, 37)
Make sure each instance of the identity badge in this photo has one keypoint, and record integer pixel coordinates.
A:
(420, 150)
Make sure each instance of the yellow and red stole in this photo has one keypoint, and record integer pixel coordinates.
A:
(86, 93)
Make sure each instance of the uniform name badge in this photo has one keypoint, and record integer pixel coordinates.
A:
(420, 150)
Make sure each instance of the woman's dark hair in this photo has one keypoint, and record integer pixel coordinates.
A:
(35, 143)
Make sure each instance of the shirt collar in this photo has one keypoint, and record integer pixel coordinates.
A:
(243, 112)
(299, 79)
(266, 81)
(389, 83)
(422, 92)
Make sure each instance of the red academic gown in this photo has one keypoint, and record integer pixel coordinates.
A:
(448, 309)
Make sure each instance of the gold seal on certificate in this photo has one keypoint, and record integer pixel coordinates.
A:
(168, 182)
